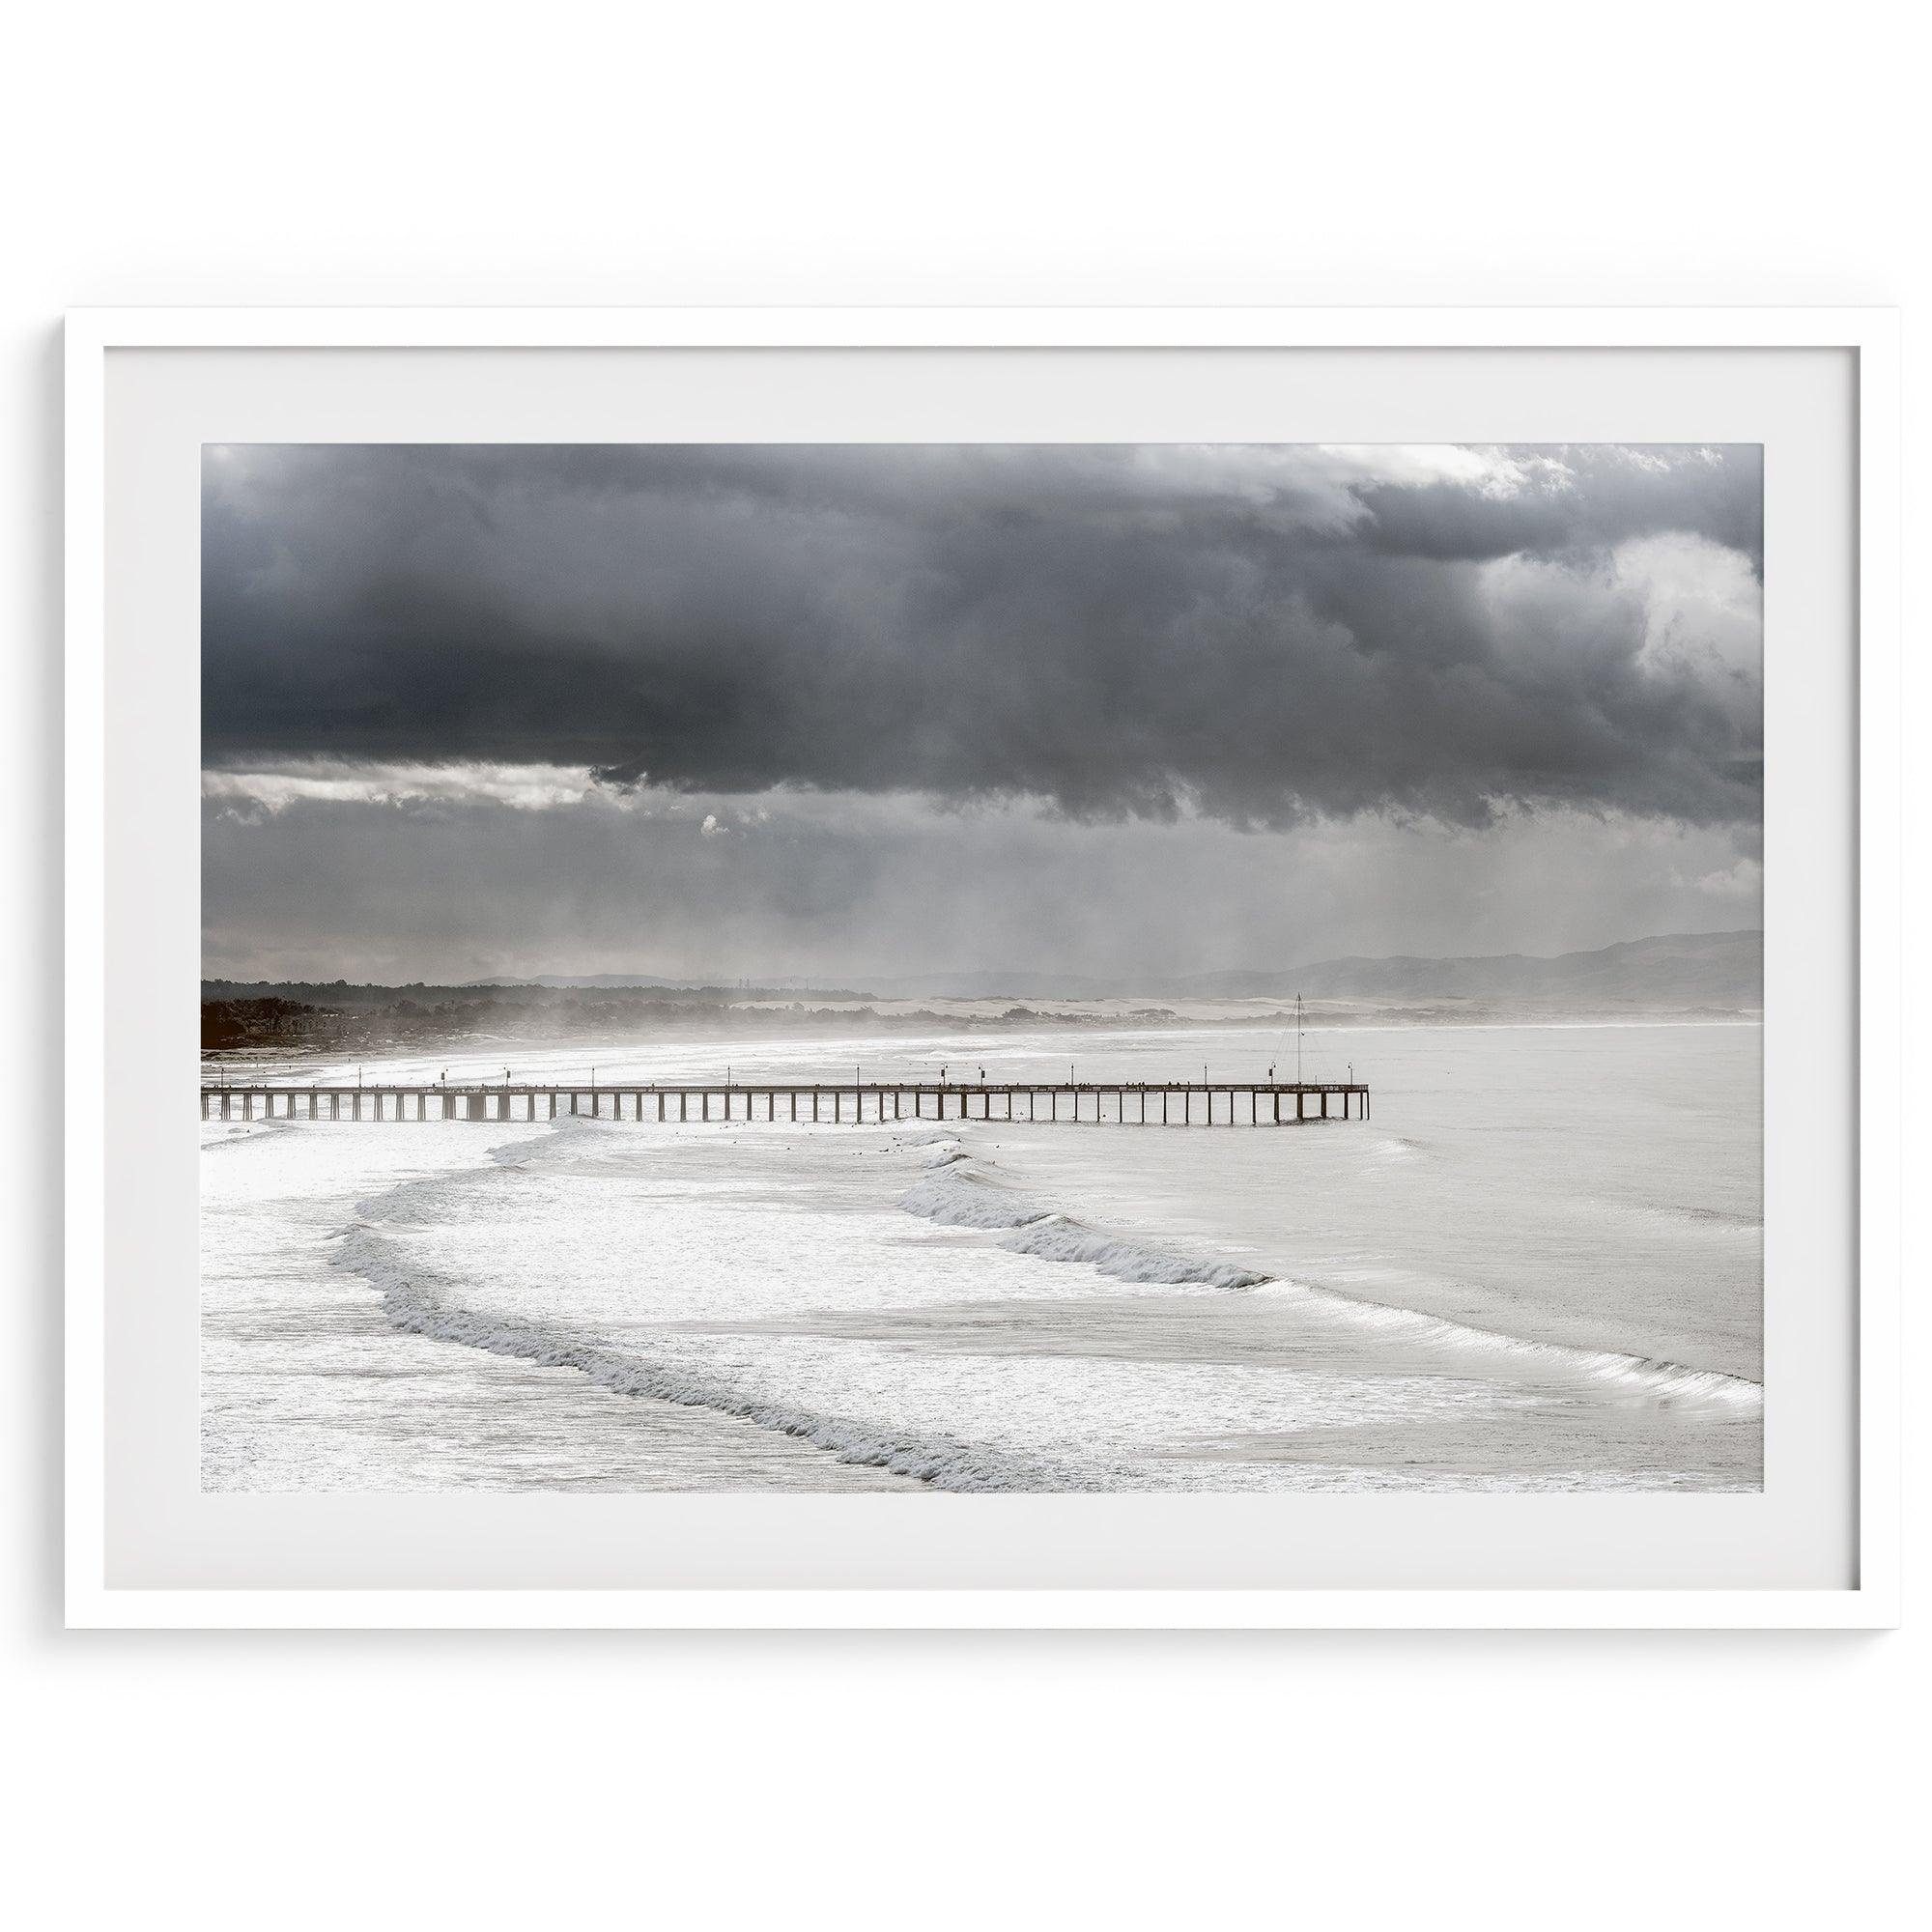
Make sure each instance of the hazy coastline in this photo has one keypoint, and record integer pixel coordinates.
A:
(1694, 977)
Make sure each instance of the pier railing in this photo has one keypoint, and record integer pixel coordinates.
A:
(1111, 1102)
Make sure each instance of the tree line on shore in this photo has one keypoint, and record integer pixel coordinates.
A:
(274, 1023)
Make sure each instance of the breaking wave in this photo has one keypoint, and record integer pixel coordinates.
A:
(1639, 1376)
(415, 1304)
(1057, 1237)
(957, 1188)
(961, 1194)
(957, 1195)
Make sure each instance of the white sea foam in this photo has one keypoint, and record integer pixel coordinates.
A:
(966, 1195)
(416, 1306)
(960, 1196)
(1638, 1376)
(233, 1134)
(1105, 1308)
(1059, 1238)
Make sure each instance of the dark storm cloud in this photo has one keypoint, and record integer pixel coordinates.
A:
(1266, 636)
(1614, 495)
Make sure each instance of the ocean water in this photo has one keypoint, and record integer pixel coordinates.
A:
(1537, 1268)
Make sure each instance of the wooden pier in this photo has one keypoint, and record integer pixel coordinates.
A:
(1145, 1104)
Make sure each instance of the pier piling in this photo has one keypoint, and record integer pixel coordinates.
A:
(229, 1099)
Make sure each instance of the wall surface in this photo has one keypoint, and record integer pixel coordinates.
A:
(402, 153)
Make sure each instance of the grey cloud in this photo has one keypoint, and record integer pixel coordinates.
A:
(1581, 501)
(1260, 637)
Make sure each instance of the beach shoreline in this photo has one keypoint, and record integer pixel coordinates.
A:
(1181, 1310)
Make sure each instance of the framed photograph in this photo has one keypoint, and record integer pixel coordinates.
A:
(971, 968)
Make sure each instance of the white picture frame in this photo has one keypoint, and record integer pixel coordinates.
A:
(1870, 1597)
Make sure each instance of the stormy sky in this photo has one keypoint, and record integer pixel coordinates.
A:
(821, 712)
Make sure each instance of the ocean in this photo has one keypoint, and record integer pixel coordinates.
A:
(1537, 1268)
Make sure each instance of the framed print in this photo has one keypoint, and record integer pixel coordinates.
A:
(952, 968)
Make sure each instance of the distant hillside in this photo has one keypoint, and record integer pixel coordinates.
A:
(580, 979)
(1692, 969)
(1674, 969)
(1009, 983)
(1696, 969)
(776, 990)
(615, 990)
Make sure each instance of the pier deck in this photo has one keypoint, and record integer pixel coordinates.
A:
(1156, 1103)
